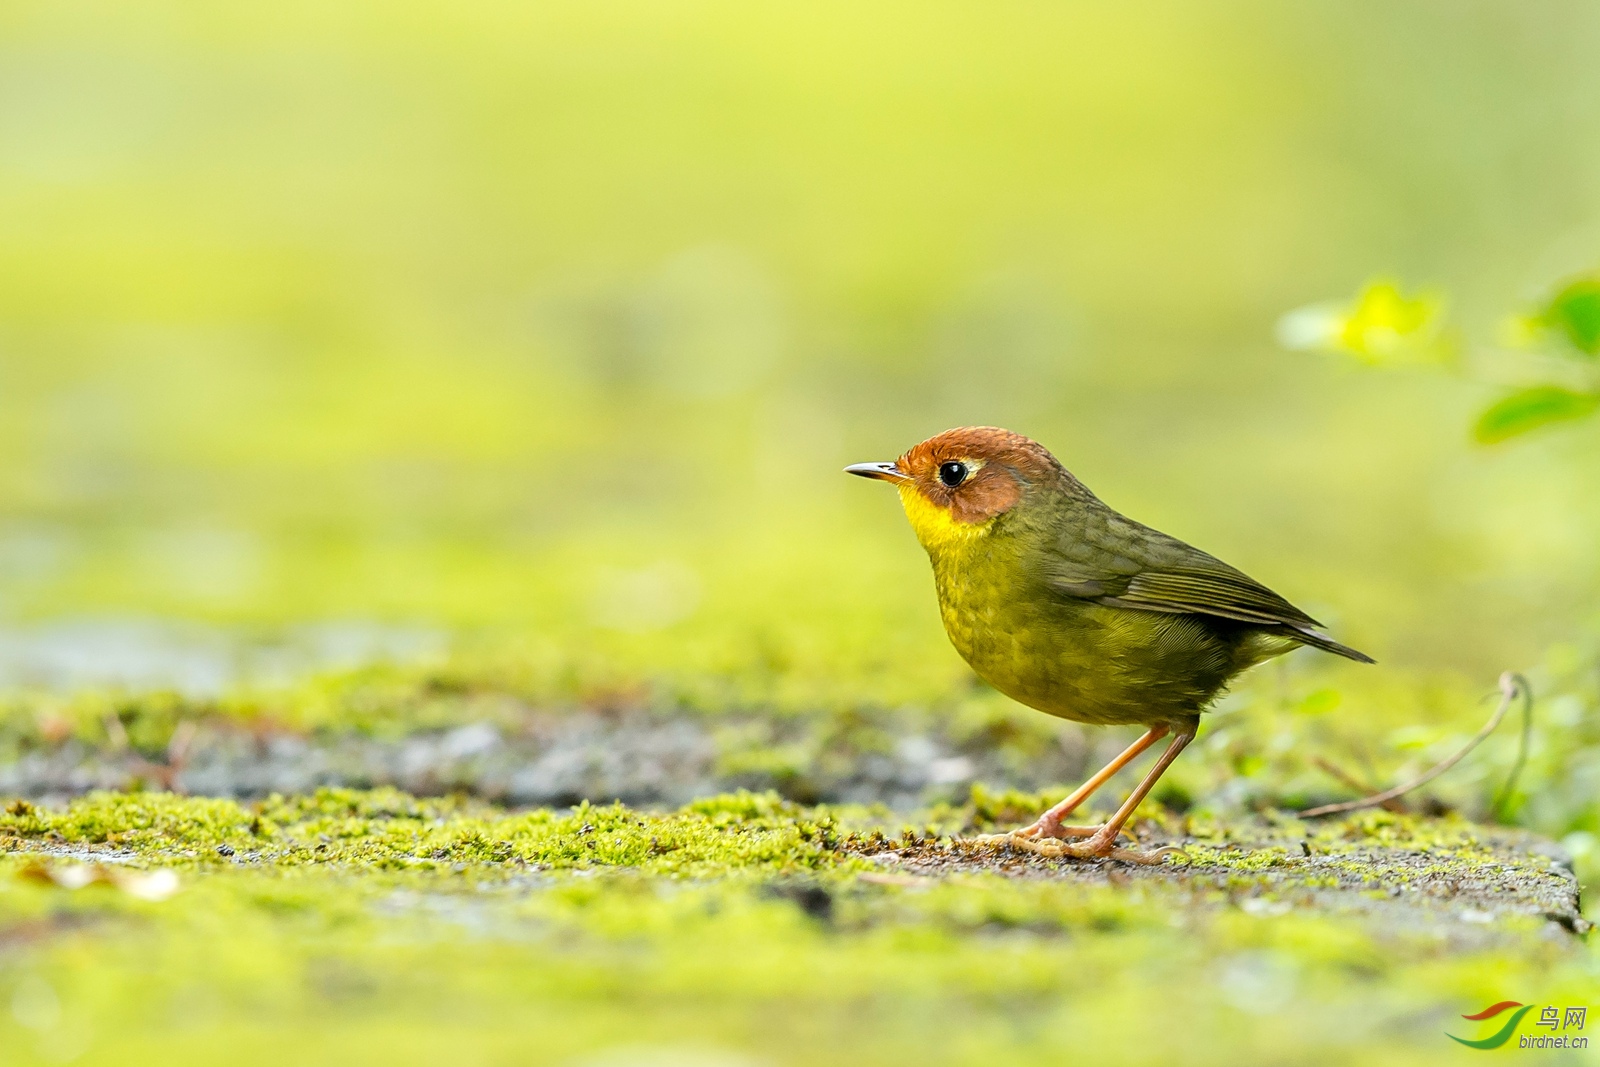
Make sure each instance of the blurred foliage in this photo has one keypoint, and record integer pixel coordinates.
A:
(1381, 325)
(1571, 319)
(1567, 325)
(1530, 408)
(1384, 327)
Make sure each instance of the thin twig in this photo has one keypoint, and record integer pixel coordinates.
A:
(1333, 770)
(1504, 796)
(1510, 685)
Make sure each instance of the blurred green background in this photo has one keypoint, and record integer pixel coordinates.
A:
(554, 323)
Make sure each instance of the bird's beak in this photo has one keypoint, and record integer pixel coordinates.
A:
(884, 472)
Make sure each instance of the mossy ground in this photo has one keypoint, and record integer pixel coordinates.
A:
(362, 927)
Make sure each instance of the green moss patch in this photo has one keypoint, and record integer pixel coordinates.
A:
(384, 829)
(372, 926)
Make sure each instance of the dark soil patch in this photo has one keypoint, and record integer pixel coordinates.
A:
(1459, 883)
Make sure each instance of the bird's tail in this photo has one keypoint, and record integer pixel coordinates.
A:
(1328, 644)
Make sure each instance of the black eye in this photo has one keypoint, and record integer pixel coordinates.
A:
(952, 474)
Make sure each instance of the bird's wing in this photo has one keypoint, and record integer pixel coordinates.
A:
(1224, 592)
(1115, 561)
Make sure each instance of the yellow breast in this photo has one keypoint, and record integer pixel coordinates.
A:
(935, 527)
(957, 550)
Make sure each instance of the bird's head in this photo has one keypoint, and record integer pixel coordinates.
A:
(954, 485)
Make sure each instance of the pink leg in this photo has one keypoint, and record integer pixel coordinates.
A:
(1049, 824)
(1104, 842)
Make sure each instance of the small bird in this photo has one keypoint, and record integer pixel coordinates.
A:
(1067, 606)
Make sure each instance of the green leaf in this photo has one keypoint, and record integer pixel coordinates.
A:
(1529, 409)
(1574, 314)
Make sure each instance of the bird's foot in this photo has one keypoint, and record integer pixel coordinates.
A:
(1042, 836)
(1044, 828)
(1154, 857)
(1099, 846)
(1039, 837)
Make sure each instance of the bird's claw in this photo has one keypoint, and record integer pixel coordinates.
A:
(1052, 848)
(1153, 858)
(1044, 830)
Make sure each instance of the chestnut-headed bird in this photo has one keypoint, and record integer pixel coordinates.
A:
(1067, 606)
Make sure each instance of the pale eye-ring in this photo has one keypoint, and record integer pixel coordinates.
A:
(952, 474)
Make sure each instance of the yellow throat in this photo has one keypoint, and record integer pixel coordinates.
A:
(935, 527)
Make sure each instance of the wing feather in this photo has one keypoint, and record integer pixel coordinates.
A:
(1122, 563)
(1108, 558)
(1230, 595)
